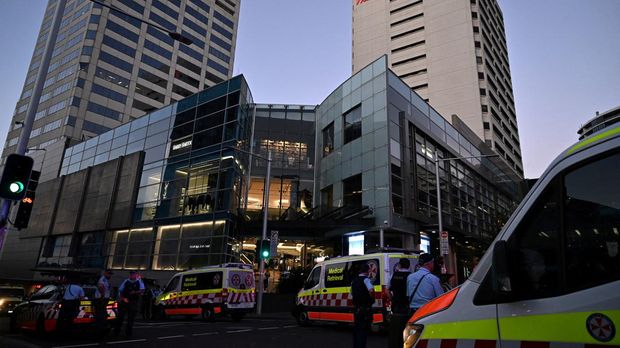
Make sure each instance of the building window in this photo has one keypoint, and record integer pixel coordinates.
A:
(485, 108)
(131, 249)
(352, 190)
(327, 197)
(486, 125)
(90, 253)
(328, 139)
(353, 124)
(55, 252)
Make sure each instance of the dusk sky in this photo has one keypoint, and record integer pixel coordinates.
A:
(564, 59)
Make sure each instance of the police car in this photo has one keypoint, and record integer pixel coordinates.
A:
(552, 276)
(10, 296)
(40, 312)
(209, 292)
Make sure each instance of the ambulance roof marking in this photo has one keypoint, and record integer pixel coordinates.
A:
(588, 141)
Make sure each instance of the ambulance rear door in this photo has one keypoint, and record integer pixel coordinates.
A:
(241, 285)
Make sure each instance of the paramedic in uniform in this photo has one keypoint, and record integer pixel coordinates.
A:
(129, 292)
(363, 298)
(423, 285)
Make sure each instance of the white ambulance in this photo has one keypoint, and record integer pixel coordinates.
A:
(552, 276)
(325, 296)
(209, 292)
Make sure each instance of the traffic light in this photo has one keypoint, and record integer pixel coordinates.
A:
(263, 249)
(15, 177)
(25, 205)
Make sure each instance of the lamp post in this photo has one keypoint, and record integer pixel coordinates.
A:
(261, 265)
(438, 188)
(175, 36)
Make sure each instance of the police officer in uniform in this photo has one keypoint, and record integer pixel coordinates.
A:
(363, 299)
(102, 296)
(72, 294)
(400, 303)
(130, 292)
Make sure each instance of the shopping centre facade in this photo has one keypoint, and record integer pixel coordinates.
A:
(176, 189)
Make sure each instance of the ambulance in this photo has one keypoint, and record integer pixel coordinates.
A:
(209, 292)
(552, 276)
(325, 296)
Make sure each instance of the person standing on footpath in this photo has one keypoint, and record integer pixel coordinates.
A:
(363, 298)
(130, 292)
(400, 303)
(423, 285)
(102, 296)
(72, 294)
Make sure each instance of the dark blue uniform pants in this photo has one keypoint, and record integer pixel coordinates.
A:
(361, 326)
(129, 309)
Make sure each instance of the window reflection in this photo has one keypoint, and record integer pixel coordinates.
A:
(285, 154)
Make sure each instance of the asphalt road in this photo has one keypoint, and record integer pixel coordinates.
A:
(271, 330)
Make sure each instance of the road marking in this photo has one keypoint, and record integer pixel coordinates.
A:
(78, 345)
(237, 331)
(127, 341)
(167, 337)
(268, 328)
(289, 326)
(205, 333)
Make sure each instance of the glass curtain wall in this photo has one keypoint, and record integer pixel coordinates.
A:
(288, 132)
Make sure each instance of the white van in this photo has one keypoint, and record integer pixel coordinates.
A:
(326, 293)
(552, 276)
(209, 292)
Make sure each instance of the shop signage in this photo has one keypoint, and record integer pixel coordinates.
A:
(273, 247)
(199, 246)
(182, 145)
(444, 244)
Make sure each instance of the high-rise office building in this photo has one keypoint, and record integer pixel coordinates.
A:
(453, 53)
(108, 68)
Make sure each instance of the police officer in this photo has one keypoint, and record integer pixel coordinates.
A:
(363, 299)
(102, 296)
(423, 285)
(400, 303)
(72, 294)
(130, 292)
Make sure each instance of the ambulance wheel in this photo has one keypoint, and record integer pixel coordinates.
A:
(40, 328)
(160, 313)
(207, 313)
(302, 318)
(13, 324)
(236, 317)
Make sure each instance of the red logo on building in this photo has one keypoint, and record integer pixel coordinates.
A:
(359, 2)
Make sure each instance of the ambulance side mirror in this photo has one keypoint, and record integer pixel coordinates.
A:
(500, 269)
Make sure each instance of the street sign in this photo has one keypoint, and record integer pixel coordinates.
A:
(273, 248)
(444, 244)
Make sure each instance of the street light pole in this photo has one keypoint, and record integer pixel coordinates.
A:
(438, 188)
(33, 105)
(261, 269)
(175, 36)
(261, 264)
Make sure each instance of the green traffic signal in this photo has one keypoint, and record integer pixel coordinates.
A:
(16, 187)
(265, 254)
